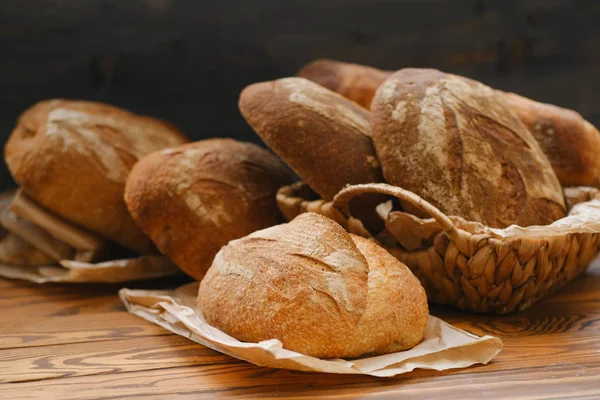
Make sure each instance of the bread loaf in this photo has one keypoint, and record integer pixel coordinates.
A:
(454, 142)
(319, 290)
(571, 143)
(193, 199)
(353, 81)
(321, 135)
(73, 157)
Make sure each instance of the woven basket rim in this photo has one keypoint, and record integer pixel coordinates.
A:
(456, 225)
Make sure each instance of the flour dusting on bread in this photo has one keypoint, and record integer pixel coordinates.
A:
(86, 133)
(315, 99)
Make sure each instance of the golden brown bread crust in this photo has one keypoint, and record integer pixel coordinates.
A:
(454, 142)
(73, 158)
(571, 143)
(193, 199)
(321, 135)
(319, 290)
(353, 81)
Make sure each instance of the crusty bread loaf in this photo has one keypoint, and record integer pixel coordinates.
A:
(571, 143)
(193, 199)
(454, 142)
(73, 158)
(321, 135)
(319, 290)
(353, 81)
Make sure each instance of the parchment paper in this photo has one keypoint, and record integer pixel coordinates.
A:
(113, 271)
(411, 231)
(80, 256)
(444, 347)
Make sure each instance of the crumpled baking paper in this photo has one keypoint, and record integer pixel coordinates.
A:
(444, 347)
(79, 256)
(113, 271)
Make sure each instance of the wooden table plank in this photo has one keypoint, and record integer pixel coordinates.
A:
(93, 358)
(70, 329)
(21, 309)
(18, 288)
(21, 299)
(83, 345)
(247, 381)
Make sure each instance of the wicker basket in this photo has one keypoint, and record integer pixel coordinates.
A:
(466, 264)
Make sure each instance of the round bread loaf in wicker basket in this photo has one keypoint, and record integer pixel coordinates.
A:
(466, 264)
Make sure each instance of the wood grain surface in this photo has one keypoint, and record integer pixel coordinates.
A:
(77, 342)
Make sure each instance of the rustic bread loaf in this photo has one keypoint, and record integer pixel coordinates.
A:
(319, 290)
(321, 135)
(193, 199)
(353, 81)
(454, 142)
(571, 143)
(73, 158)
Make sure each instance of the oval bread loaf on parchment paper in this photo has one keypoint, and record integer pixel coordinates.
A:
(193, 199)
(455, 143)
(73, 158)
(316, 288)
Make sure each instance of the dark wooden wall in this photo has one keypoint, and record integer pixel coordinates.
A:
(187, 60)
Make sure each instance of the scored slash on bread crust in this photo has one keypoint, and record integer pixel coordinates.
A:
(455, 143)
(316, 288)
(73, 157)
(193, 199)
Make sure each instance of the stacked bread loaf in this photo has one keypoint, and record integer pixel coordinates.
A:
(570, 142)
(72, 160)
(455, 142)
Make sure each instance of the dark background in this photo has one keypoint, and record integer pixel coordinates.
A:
(186, 61)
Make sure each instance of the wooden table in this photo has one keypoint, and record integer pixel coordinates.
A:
(77, 342)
